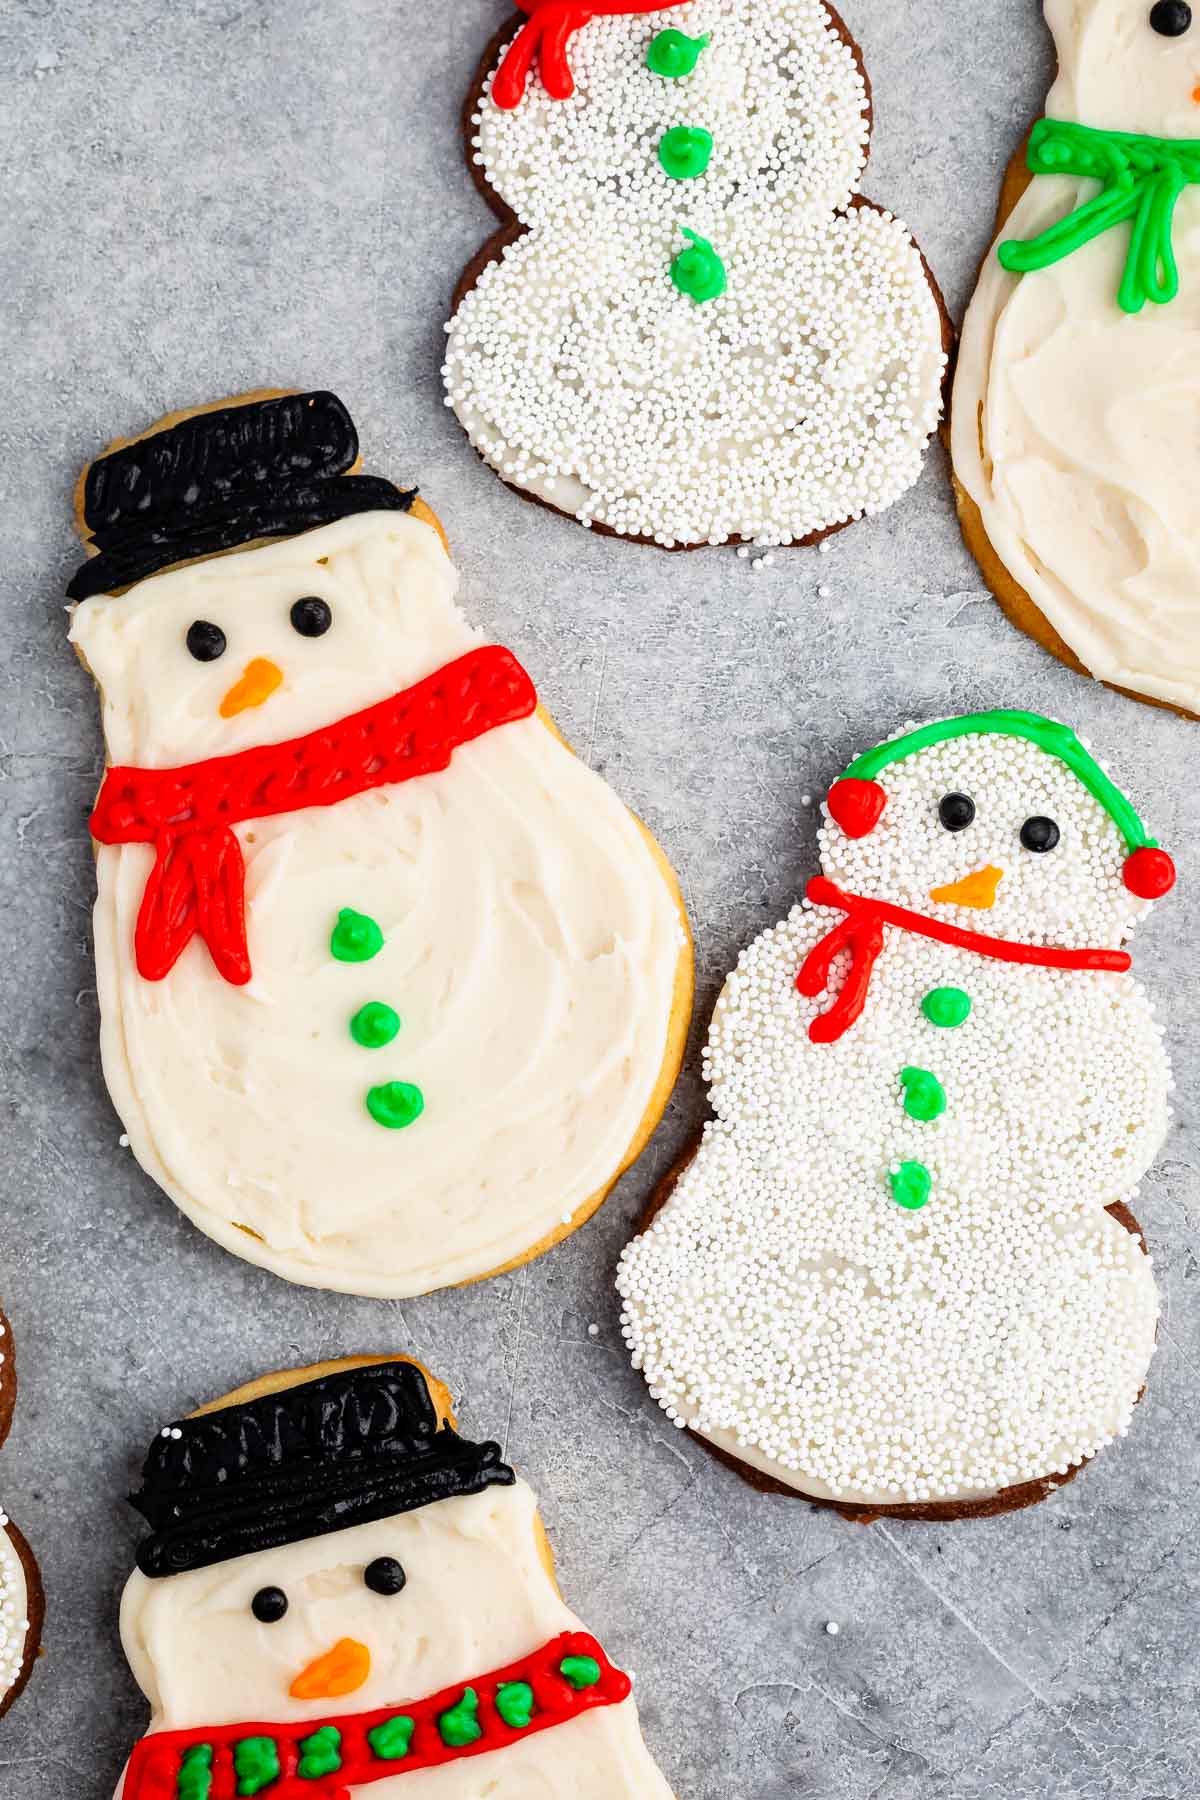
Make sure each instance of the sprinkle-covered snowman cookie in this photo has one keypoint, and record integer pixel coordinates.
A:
(692, 328)
(899, 1272)
(1078, 380)
(339, 1591)
(21, 1600)
(392, 986)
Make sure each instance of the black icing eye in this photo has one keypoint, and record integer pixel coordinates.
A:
(1040, 834)
(269, 1605)
(205, 641)
(956, 811)
(1170, 18)
(384, 1575)
(311, 617)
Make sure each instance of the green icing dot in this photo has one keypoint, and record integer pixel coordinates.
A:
(686, 152)
(390, 1741)
(698, 271)
(356, 938)
(910, 1185)
(514, 1703)
(395, 1104)
(256, 1764)
(195, 1773)
(924, 1095)
(319, 1754)
(580, 1671)
(673, 54)
(458, 1725)
(374, 1025)
(947, 1006)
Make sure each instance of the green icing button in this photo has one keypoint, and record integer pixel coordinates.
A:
(319, 1754)
(514, 1703)
(356, 938)
(910, 1185)
(580, 1671)
(673, 54)
(194, 1781)
(256, 1764)
(947, 1006)
(374, 1025)
(458, 1725)
(924, 1095)
(390, 1741)
(395, 1104)
(698, 271)
(686, 152)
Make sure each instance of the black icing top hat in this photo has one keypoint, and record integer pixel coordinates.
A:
(259, 469)
(355, 1445)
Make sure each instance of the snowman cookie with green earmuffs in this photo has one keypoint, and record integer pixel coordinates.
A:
(899, 1273)
(392, 986)
(339, 1591)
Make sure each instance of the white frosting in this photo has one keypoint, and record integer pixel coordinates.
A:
(14, 1612)
(801, 398)
(532, 941)
(477, 1597)
(783, 1306)
(1073, 422)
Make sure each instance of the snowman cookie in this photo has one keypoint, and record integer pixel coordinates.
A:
(1072, 428)
(22, 1603)
(339, 1591)
(692, 328)
(899, 1273)
(392, 986)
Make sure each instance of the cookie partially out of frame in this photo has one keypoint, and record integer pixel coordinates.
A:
(22, 1600)
(564, 321)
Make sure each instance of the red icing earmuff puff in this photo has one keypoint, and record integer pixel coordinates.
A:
(1149, 873)
(856, 806)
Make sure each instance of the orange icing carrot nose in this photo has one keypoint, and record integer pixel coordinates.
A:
(978, 889)
(340, 1671)
(258, 682)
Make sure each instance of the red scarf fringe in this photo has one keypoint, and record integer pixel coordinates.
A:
(547, 36)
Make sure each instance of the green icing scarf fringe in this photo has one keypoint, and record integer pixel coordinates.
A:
(1141, 177)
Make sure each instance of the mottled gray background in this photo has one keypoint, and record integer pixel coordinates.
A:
(202, 196)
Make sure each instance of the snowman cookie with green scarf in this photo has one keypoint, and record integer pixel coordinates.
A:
(1078, 374)
(692, 329)
(340, 1592)
(899, 1273)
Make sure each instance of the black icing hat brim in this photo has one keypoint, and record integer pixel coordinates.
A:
(347, 1448)
(220, 479)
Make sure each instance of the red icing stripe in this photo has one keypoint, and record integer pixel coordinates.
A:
(547, 36)
(154, 1766)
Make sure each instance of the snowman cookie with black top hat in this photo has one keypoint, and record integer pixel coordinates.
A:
(392, 986)
(340, 1592)
(899, 1273)
(692, 329)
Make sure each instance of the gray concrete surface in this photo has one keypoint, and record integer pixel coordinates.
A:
(201, 196)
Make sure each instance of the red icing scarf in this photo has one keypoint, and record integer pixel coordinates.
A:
(861, 933)
(547, 36)
(153, 1772)
(198, 880)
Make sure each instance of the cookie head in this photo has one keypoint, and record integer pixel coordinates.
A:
(1001, 824)
(1129, 65)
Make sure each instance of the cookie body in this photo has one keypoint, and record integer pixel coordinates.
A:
(693, 330)
(1071, 434)
(892, 1277)
(466, 990)
(416, 1652)
(22, 1603)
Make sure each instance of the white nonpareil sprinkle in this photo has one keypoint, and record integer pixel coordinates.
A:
(832, 1628)
(800, 399)
(783, 1304)
(13, 1603)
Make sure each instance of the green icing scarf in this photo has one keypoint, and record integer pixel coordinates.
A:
(1141, 177)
